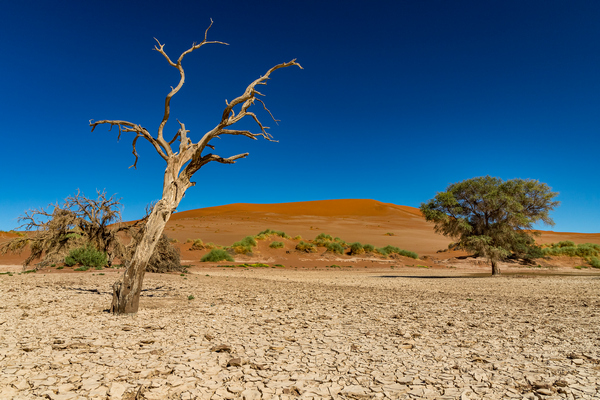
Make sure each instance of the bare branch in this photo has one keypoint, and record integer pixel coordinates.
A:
(160, 49)
(247, 99)
(125, 126)
(195, 165)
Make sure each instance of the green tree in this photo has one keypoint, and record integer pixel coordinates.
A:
(492, 217)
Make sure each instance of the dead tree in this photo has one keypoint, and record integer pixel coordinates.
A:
(183, 160)
(58, 228)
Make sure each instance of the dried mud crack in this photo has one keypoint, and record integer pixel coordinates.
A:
(277, 334)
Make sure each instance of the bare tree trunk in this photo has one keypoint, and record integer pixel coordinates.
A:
(126, 293)
(495, 268)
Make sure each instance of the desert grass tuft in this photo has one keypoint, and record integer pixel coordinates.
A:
(216, 255)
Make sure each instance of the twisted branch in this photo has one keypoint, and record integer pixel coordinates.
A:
(160, 49)
(125, 126)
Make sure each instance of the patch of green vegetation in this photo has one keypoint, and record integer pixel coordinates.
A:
(369, 248)
(297, 237)
(101, 273)
(594, 262)
(306, 247)
(268, 233)
(191, 297)
(216, 255)
(390, 234)
(388, 250)
(422, 266)
(86, 255)
(52, 265)
(29, 271)
(6, 273)
(197, 244)
(244, 246)
(324, 236)
(568, 248)
(82, 268)
(356, 248)
(335, 247)
(276, 245)
(61, 267)
(340, 241)
(280, 265)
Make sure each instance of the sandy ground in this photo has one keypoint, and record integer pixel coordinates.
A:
(322, 326)
(407, 333)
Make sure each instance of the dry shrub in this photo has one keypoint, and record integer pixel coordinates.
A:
(166, 257)
(82, 221)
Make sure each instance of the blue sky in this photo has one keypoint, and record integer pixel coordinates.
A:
(397, 99)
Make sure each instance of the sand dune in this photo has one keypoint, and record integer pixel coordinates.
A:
(353, 220)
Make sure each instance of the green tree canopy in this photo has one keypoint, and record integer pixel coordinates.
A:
(490, 216)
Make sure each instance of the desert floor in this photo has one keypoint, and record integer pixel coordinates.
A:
(324, 333)
(321, 326)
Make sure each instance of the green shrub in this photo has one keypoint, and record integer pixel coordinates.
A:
(340, 241)
(268, 233)
(82, 268)
(307, 247)
(247, 241)
(87, 256)
(276, 245)
(297, 237)
(335, 247)
(387, 250)
(565, 243)
(324, 236)
(369, 248)
(197, 244)
(216, 255)
(191, 297)
(356, 248)
(594, 262)
(245, 245)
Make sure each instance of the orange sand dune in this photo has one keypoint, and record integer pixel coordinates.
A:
(325, 208)
(357, 220)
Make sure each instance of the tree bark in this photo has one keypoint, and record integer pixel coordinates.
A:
(126, 292)
(495, 268)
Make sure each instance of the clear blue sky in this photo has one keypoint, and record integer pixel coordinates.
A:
(397, 99)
